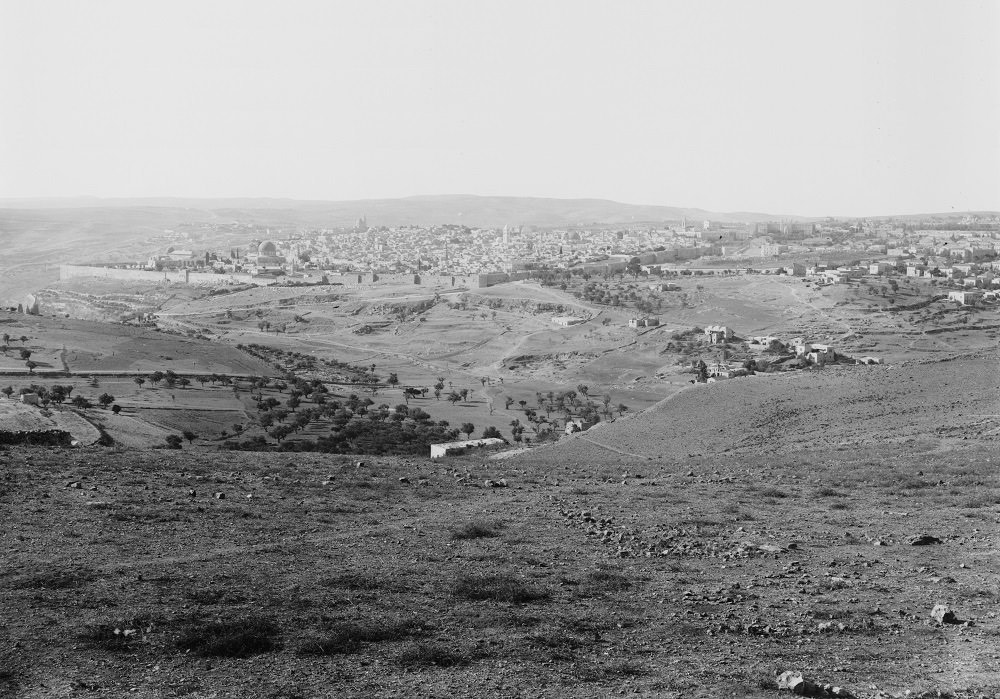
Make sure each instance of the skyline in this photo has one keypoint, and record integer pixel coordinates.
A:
(840, 109)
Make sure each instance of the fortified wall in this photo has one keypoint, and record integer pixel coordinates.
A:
(176, 276)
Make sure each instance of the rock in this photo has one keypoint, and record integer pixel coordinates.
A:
(797, 684)
(490, 483)
(359, 464)
(220, 496)
(191, 493)
(942, 615)
(792, 681)
(924, 540)
(404, 479)
(76, 485)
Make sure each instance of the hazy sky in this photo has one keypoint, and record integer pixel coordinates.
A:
(801, 107)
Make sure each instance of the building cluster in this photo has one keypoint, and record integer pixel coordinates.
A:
(948, 246)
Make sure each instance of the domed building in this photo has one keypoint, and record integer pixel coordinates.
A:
(267, 257)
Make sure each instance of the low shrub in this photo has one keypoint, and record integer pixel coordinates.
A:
(348, 637)
(432, 654)
(476, 530)
(495, 588)
(238, 638)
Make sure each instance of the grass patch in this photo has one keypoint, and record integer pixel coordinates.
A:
(773, 493)
(122, 636)
(70, 579)
(604, 673)
(347, 637)
(557, 643)
(434, 654)
(352, 581)
(476, 530)
(827, 492)
(600, 581)
(238, 638)
(209, 596)
(496, 588)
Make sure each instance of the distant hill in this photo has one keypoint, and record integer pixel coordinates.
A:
(421, 210)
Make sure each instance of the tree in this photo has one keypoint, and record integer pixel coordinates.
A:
(634, 267)
(189, 436)
(622, 408)
(393, 380)
(492, 432)
(105, 400)
(25, 354)
(508, 401)
(454, 397)
(7, 391)
(156, 377)
(139, 381)
(464, 393)
(468, 428)
(174, 441)
(6, 340)
(293, 402)
(31, 366)
(281, 431)
(583, 389)
(57, 393)
(23, 338)
(116, 408)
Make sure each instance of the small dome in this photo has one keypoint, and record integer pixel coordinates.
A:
(268, 249)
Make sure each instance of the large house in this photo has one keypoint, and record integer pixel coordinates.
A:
(718, 334)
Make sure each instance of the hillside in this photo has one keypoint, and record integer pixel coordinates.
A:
(941, 402)
(423, 210)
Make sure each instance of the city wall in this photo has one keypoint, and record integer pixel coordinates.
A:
(173, 276)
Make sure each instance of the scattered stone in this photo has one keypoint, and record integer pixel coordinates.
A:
(924, 540)
(404, 479)
(942, 615)
(490, 483)
(191, 493)
(797, 684)
(770, 548)
(220, 496)
(359, 464)
(76, 485)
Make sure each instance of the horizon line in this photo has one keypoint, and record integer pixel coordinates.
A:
(5, 202)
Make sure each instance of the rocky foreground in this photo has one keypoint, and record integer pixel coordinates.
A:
(860, 564)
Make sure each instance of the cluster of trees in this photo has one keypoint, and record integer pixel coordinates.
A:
(606, 295)
(171, 380)
(59, 394)
(570, 403)
(289, 361)
(356, 427)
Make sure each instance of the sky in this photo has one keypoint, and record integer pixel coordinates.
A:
(807, 108)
